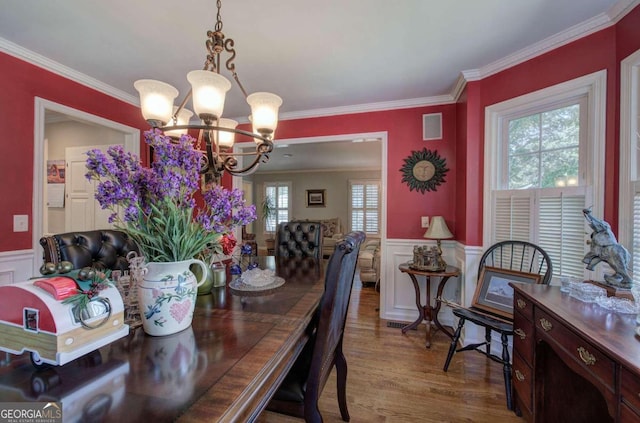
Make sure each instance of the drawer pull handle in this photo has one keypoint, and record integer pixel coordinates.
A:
(521, 303)
(520, 333)
(586, 356)
(519, 375)
(546, 325)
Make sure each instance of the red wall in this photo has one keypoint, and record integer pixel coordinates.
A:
(459, 199)
(20, 84)
(404, 127)
(601, 50)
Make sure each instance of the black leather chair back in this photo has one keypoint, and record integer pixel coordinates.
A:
(299, 392)
(299, 239)
(101, 249)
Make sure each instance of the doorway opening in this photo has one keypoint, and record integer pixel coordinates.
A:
(80, 129)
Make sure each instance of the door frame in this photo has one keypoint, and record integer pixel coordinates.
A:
(131, 144)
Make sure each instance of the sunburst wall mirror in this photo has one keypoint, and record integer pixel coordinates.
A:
(424, 170)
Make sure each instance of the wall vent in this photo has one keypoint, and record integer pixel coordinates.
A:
(432, 126)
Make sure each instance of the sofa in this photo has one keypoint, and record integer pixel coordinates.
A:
(369, 262)
(331, 234)
(101, 249)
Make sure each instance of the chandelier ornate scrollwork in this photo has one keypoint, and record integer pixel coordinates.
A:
(208, 91)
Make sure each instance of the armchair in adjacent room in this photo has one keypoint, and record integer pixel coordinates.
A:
(369, 262)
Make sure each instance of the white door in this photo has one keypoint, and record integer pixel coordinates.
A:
(82, 210)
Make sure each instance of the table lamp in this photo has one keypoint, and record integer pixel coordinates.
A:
(438, 230)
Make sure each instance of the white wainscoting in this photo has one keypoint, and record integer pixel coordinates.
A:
(397, 295)
(16, 266)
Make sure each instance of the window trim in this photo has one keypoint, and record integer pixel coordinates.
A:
(595, 88)
(629, 107)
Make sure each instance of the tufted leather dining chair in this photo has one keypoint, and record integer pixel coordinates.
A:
(102, 249)
(298, 394)
(299, 239)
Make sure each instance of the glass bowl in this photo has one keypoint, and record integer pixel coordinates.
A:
(587, 292)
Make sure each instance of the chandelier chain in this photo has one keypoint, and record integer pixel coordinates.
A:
(218, 17)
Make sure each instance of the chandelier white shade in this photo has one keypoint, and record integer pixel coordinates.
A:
(156, 100)
(264, 111)
(226, 139)
(209, 91)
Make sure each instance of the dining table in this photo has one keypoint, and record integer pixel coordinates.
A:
(225, 367)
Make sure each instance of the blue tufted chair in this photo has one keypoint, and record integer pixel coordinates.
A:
(299, 239)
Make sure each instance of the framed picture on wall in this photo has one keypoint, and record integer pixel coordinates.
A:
(315, 198)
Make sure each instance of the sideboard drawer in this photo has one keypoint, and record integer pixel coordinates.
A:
(630, 388)
(523, 305)
(522, 381)
(591, 359)
(523, 337)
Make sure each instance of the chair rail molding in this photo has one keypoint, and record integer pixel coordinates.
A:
(15, 266)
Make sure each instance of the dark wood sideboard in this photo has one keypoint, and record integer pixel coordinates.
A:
(573, 361)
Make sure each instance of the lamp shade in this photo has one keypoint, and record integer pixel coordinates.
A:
(156, 100)
(182, 119)
(438, 229)
(264, 111)
(209, 91)
(224, 138)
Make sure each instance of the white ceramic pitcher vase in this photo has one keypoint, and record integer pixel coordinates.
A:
(167, 296)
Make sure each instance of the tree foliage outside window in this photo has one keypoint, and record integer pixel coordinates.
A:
(543, 149)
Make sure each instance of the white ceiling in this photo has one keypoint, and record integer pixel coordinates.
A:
(321, 57)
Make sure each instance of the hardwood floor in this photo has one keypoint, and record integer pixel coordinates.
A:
(394, 378)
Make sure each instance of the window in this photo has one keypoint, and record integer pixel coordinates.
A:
(629, 215)
(279, 193)
(543, 166)
(365, 206)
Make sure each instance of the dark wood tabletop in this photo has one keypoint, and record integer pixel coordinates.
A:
(608, 330)
(225, 367)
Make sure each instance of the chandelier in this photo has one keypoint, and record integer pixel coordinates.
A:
(208, 90)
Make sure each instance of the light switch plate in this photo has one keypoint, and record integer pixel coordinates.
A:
(20, 223)
(425, 221)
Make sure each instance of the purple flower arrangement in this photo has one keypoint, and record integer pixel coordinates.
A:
(156, 205)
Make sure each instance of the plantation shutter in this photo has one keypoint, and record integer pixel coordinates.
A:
(512, 216)
(365, 206)
(562, 231)
(636, 235)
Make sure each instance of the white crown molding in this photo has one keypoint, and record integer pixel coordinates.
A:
(597, 23)
(621, 8)
(604, 20)
(36, 59)
(335, 170)
(459, 87)
(370, 107)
